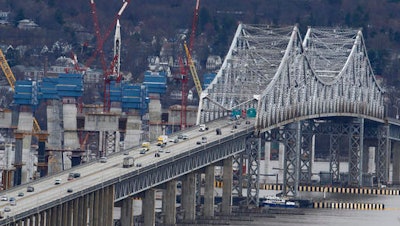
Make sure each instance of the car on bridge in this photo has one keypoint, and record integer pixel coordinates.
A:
(13, 202)
(30, 189)
(144, 150)
(72, 176)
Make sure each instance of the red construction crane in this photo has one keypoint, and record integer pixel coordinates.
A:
(108, 70)
(183, 69)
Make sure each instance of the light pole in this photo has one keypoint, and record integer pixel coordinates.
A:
(397, 111)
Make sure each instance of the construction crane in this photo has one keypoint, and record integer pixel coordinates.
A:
(11, 81)
(108, 74)
(193, 70)
(183, 70)
(7, 70)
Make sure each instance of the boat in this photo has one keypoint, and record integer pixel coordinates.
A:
(276, 201)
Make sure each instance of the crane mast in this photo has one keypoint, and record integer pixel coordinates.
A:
(183, 69)
(7, 70)
(193, 71)
(109, 72)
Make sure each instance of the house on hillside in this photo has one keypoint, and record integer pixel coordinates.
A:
(27, 24)
(4, 18)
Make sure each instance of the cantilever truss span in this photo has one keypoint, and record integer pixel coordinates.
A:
(287, 78)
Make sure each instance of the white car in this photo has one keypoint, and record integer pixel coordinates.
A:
(4, 198)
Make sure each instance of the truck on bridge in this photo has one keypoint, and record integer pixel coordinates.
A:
(162, 140)
(128, 162)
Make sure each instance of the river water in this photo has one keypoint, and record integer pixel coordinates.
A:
(390, 216)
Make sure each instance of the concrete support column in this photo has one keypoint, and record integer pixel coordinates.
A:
(111, 203)
(102, 200)
(396, 163)
(85, 209)
(108, 205)
(38, 218)
(149, 204)
(366, 157)
(209, 192)
(42, 164)
(281, 160)
(29, 221)
(59, 216)
(75, 214)
(91, 210)
(169, 203)
(226, 205)
(371, 160)
(127, 218)
(188, 197)
(64, 214)
(69, 214)
(54, 216)
(18, 158)
(43, 218)
(96, 208)
(267, 162)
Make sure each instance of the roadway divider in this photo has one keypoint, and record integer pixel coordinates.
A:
(348, 205)
(276, 187)
(307, 188)
(365, 191)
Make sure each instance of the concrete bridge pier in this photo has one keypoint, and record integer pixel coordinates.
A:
(226, 205)
(396, 163)
(148, 207)
(127, 212)
(18, 158)
(188, 197)
(169, 203)
(209, 192)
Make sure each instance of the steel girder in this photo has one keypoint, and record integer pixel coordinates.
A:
(253, 152)
(334, 163)
(109, 142)
(356, 138)
(383, 155)
(237, 186)
(250, 65)
(307, 134)
(168, 169)
(394, 131)
(291, 163)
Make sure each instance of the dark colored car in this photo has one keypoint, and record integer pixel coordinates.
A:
(30, 189)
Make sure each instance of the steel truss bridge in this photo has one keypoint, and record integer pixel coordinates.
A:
(320, 84)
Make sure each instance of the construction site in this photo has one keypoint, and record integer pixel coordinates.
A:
(75, 132)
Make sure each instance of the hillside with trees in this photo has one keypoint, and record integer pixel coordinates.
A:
(146, 24)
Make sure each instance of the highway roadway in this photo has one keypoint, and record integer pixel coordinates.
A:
(95, 172)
